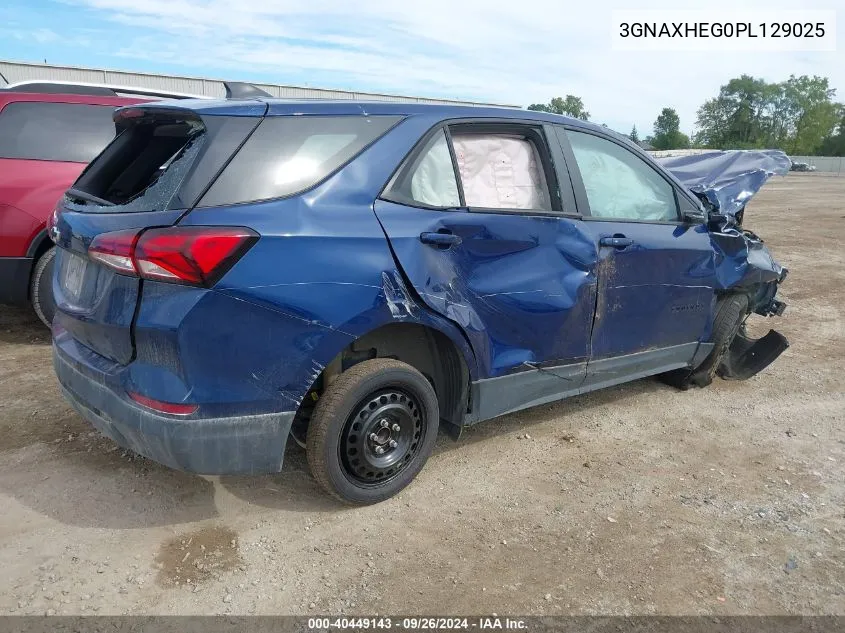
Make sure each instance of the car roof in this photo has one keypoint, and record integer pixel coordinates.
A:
(280, 107)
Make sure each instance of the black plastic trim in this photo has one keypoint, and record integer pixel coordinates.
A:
(14, 279)
(492, 397)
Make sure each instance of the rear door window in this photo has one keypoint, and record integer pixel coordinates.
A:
(501, 171)
(289, 154)
(429, 180)
(481, 166)
(67, 132)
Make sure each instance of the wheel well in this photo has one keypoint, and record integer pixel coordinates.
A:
(428, 351)
(41, 244)
(44, 245)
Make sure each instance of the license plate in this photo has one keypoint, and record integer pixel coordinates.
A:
(74, 275)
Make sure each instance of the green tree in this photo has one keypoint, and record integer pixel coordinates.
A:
(570, 105)
(667, 131)
(712, 123)
(539, 107)
(795, 115)
(834, 144)
(813, 112)
(740, 116)
(634, 136)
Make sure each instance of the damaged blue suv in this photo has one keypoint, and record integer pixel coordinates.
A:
(357, 276)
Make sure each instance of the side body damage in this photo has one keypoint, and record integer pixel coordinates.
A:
(725, 182)
(497, 310)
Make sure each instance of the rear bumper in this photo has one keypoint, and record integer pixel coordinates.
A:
(14, 279)
(253, 444)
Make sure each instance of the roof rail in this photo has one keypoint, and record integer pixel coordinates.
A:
(100, 90)
(241, 90)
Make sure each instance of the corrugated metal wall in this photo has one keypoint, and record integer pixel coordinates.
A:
(18, 71)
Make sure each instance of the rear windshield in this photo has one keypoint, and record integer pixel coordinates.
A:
(143, 168)
(288, 154)
(68, 132)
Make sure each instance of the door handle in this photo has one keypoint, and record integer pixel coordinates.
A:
(441, 240)
(617, 241)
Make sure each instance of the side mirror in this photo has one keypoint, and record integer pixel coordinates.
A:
(717, 222)
(695, 216)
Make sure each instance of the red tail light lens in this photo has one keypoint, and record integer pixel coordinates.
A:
(192, 255)
(163, 407)
(115, 250)
(195, 255)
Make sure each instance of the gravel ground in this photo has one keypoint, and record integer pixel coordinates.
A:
(636, 500)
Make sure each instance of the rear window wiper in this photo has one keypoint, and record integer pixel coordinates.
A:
(87, 197)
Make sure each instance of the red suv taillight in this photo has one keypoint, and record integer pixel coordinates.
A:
(197, 255)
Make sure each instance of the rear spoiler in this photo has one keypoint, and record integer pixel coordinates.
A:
(241, 90)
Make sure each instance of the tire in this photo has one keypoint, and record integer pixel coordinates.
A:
(346, 431)
(41, 288)
(730, 315)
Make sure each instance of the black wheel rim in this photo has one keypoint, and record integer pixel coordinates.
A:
(381, 437)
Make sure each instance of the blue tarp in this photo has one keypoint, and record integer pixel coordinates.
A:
(728, 179)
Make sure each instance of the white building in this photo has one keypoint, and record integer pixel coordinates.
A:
(14, 72)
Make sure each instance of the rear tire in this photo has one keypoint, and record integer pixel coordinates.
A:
(730, 315)
(41, 288)
(372, 431)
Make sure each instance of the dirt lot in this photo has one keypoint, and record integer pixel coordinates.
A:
(636, 500)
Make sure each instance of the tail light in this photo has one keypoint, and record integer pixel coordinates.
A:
(198, 255)
(52, 223)
(115, 250)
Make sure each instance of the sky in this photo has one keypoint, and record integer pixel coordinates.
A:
(516, 52)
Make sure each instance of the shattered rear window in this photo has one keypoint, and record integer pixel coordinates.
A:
(141, 170)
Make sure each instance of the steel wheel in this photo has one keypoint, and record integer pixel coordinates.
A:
(372, 430)
(381, 437)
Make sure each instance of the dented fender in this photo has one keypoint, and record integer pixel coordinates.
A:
(742, 261)
(725, 181)
(307, 314)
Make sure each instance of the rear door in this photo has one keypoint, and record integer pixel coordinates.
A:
(489, 239)
(655, 273)
(158, 165)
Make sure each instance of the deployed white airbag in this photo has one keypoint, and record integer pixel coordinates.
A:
(619, 184)
(500, 172)
(433, 182)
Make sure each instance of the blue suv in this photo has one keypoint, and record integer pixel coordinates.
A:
(357, 276)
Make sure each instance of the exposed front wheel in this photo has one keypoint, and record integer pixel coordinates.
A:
(372, 431)
(729, 317)
(41, 288)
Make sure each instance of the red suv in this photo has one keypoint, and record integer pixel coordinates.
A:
(48, 133)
